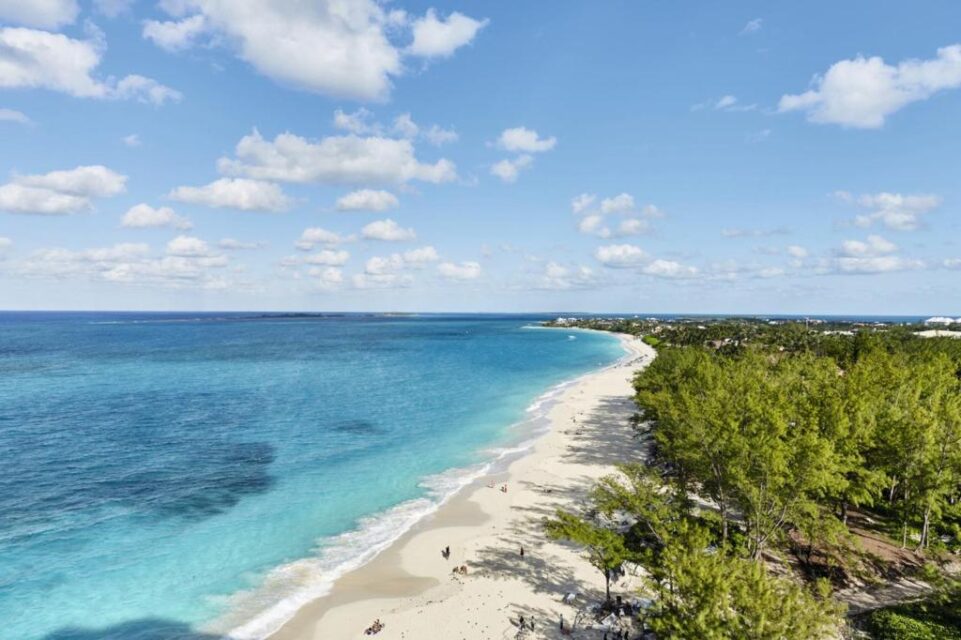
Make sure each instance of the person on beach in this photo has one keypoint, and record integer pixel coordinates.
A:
(562, 622)
(522, 551)
(521, 625)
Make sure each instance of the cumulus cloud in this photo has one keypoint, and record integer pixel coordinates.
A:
(132, 140)
(620, 255)
(668, 269)
(12, 115)
(175, 35)
(5, 244)
(437, 135)
(560, 277)
(796, 251)
(131, 263)
(874, 255)
(328, 257)
(439, 38)
(60, 192)
(327, 46)
(508, 170)
(623, 204)
(863, 92)
(235, 193)
(313, 236)
(333, 160)
(44, 14)
(893, 210)
(387, 230)
(143, 216)
(524, 140)
(326, 279)
(188, 246)
(359, 122)
(459, 271)
(32, 59)
(367, 200)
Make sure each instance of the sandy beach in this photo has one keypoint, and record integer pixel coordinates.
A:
(410, 587)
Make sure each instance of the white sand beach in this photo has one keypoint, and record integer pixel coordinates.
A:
(410, 586)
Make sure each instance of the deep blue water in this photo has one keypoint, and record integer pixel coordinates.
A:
(164, 473)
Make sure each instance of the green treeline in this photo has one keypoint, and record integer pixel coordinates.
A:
(764, 441)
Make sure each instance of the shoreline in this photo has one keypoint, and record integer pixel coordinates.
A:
(410, 587)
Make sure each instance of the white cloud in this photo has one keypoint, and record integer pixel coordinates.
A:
(328, 257)
(893, 210)
(327, 279)
(439, 38)
(508, 170)
(796, 251)
(524, 140)
(175, 35)
(668, 269)
(620, 255)
(438, 136)
(31, 59)
(94, 181)
(752, 26)
(129, 263)
(11, 115)
(633, 227)
(420, 256)
(235, 193)
(593, 225)
(188, 246)
(367, 200)
(143, 216)
(5, 243)
(45, 14)
(333, 160)
(560, 277)
(60, 192)
(875, 245)
(582, 203)
(16, 198)
(863, 92)
(232, 244)
(405, 126)
(874, 255)
(622, 203)
(333, 47)
(725, 102)
(462, 271)
(133, 140)
(359, 122)
(315, 235)
(387, 230)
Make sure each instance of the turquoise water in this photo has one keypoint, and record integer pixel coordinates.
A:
(170, 476)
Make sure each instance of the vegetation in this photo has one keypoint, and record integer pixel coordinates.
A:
(785, 430)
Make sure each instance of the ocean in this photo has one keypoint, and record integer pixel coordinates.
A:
(185, 475)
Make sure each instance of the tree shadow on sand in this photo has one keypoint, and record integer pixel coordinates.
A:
(146, 629)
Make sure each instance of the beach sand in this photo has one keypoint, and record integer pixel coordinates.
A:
(410, 586)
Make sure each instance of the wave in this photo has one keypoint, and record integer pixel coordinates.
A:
(256, 613)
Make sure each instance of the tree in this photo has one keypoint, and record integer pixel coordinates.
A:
(606, 550)
(703, 594)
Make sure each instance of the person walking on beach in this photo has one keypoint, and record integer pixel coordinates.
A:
(522, 551)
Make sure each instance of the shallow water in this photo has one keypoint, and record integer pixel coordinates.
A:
(169, 473)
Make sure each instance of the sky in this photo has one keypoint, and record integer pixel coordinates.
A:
(354, 155)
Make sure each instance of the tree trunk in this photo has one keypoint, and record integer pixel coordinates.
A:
(607, 585)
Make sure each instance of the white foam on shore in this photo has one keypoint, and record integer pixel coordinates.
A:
(257, 613)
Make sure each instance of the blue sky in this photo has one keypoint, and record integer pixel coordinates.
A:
(737, 157)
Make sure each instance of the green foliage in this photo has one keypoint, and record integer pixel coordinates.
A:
(707, 595)
(888, 624)
(606, 550)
